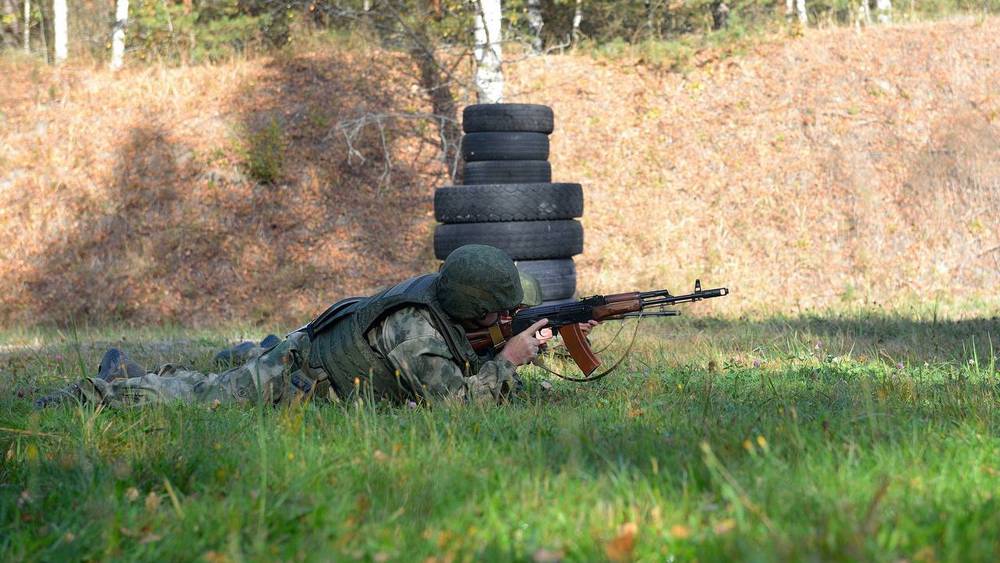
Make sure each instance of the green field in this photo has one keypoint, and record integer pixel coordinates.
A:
(861, 435)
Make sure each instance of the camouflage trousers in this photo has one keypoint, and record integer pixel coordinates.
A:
(278, 375)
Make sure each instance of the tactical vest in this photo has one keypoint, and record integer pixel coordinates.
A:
(340, 348)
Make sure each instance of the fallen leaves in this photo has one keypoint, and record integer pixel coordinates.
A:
(152, 502)
(145, 535)
(724, 526)
(620, 548)
(747, 101)
(547, 556)
(680, 531)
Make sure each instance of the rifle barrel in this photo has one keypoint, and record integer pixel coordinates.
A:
(652, 298)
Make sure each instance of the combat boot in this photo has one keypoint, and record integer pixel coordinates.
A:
(114, 365)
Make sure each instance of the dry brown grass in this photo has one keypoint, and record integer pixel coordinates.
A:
(839, 166)
(836, 166)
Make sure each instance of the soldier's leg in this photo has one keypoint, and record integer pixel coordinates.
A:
(267, 377)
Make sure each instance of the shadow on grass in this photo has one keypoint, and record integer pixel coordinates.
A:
(266, 228)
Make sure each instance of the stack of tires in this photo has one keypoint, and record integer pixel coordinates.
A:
(508, 199)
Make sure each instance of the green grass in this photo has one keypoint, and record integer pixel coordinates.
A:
(862, 435)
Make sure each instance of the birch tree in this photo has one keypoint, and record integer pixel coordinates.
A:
(488, 54)
(884, 9)
(577, 18)
(118, 34)
(59, 30)
(800, 8)
(535, 22)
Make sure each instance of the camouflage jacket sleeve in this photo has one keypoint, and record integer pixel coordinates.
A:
(409, 342)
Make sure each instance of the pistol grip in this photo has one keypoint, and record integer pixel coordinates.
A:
(578, 348)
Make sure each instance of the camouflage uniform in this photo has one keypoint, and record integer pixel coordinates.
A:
(406, 339)
(406, 342)
(268, 377)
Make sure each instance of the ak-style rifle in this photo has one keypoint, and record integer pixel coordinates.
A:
(565, 318)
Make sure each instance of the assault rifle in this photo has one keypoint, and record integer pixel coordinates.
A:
(565, 318)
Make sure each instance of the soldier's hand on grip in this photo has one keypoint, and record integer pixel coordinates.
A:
(523, 348)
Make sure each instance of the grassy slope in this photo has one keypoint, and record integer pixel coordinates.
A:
(862, 435)
(837, 166)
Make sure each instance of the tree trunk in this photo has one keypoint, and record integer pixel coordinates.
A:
(436, 81)
(367, 6)
(489, 73)
(884, 8)
(9, 32)
(118, 35)
(59, 30)
(649, 18)
(535, 22)
(577, 18)
(26, 32)
(789, 10)
(44, 31)
(866, 14)
(800, 7)
(720, 15)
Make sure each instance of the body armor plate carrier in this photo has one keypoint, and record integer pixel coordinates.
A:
(341, 349)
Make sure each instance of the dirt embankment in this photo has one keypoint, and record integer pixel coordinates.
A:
(836, 166)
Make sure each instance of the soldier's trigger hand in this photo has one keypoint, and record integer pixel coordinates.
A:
(536, 327)
(544, 335)
(523, 347)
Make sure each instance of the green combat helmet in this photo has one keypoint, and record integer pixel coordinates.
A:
(477, 279)
(532, 290)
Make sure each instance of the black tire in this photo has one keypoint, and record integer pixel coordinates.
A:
(557, 278)
(521, 240)
(491, 203)
(528, 118)
(507, 172)
(505, 146)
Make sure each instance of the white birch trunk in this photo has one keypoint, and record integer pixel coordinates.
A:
(789, 10)
(489, 56)
(59, 30)
(27, 26)
(367, 6)
(118, 35)
(884, 9)
(577, 18)
(800, 7)
(535, 22)
(866, 13)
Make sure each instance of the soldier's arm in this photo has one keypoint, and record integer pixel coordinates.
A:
(413, 347)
